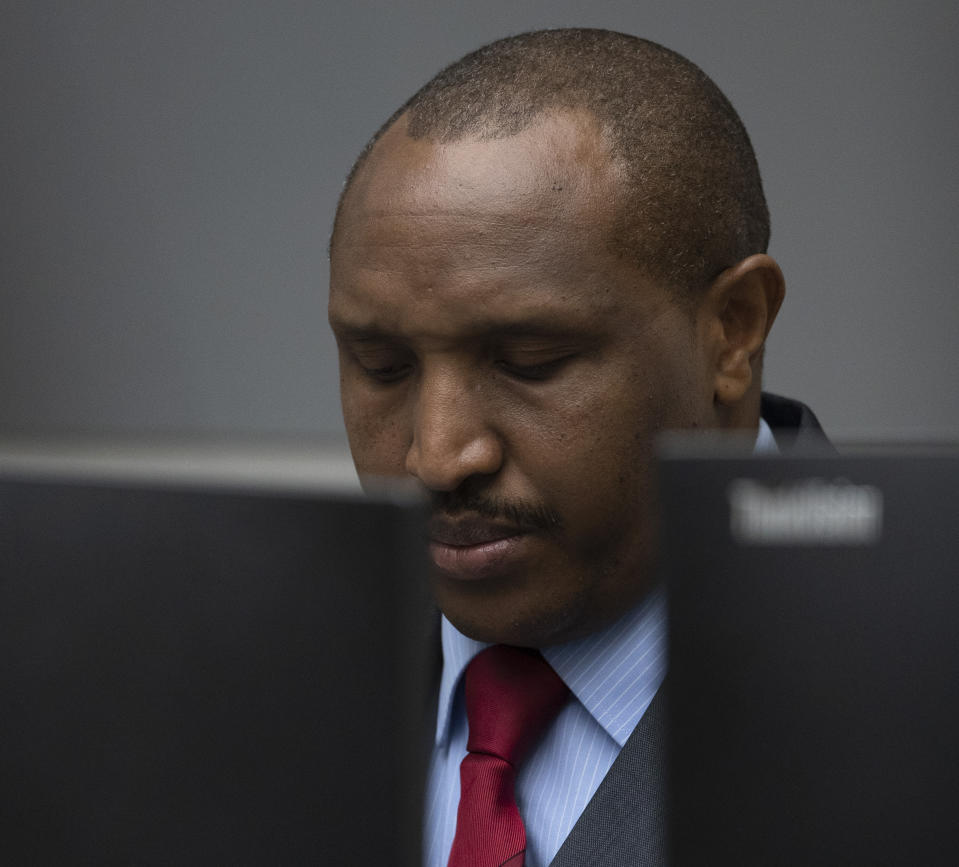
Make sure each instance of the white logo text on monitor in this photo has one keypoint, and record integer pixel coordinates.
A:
(804, 512)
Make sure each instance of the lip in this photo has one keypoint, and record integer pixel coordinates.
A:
(473, 549)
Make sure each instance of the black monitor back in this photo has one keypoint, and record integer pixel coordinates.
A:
(814, 658)
(206, 675)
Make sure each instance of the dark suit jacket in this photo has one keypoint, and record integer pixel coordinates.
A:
(624, 823)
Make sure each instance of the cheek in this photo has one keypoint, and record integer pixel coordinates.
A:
(378, 438)
(587, 450)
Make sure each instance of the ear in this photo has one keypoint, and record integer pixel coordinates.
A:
(743, 302)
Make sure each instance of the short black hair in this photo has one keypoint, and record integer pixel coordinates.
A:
(692, 202)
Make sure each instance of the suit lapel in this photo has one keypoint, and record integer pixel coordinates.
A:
(624, 823)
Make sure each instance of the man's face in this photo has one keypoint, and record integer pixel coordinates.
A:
(495, 346)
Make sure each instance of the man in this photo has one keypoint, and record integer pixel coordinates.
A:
(554, 251)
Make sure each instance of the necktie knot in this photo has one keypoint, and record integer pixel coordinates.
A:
(512, 694)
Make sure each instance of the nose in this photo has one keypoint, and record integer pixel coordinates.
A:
(452, 436)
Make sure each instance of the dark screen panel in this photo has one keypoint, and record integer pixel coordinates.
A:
(209, 677)
(814, 687)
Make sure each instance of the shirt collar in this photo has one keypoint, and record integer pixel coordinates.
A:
(614, 673)
(458, 651)
(765, 441)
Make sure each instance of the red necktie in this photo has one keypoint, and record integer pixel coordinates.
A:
(512, 694)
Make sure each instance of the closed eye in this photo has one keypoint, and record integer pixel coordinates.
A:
(538, 372)
(380, 361)
(388, 373)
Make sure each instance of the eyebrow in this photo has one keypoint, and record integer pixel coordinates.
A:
(547, 327)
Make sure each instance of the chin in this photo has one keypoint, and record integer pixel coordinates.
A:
(538, 630)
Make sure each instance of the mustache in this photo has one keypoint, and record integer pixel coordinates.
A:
(524, 515)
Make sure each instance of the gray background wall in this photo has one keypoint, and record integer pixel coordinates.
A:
(168, 172)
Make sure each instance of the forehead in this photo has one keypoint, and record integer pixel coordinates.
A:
(532, 212)
(558, 167)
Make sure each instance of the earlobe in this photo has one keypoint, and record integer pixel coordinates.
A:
(744, 302)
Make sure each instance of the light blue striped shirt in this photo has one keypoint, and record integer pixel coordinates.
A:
(613, 676)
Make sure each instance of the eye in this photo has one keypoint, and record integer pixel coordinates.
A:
(382, 364)
(388, 373)
(536, 372)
